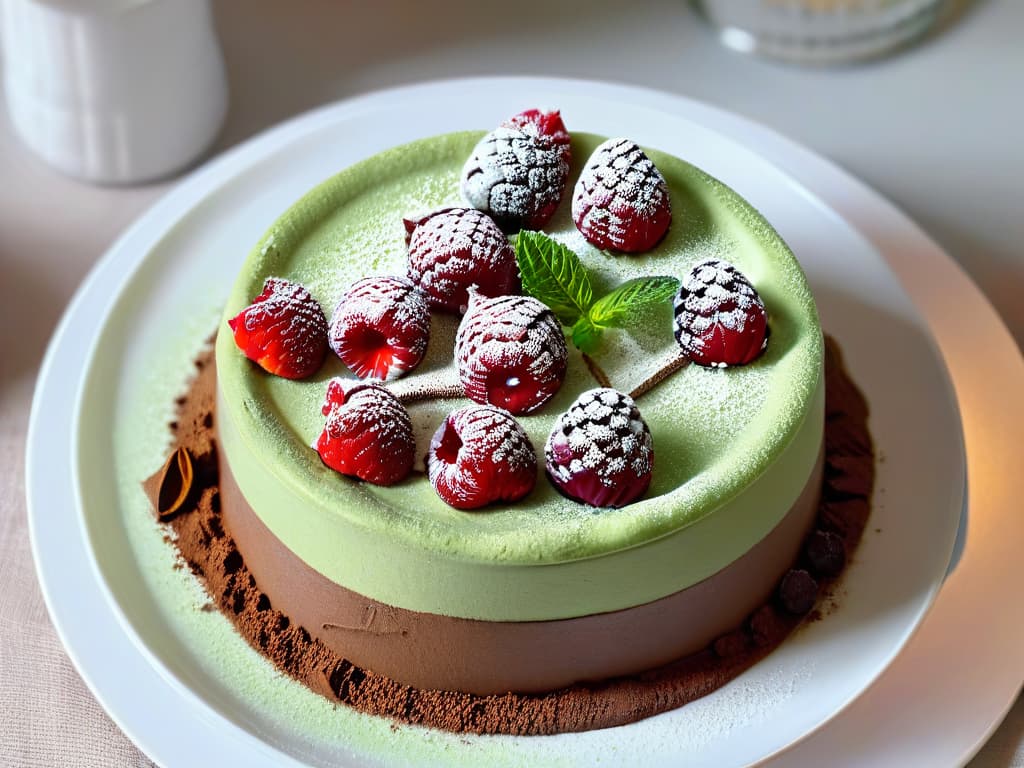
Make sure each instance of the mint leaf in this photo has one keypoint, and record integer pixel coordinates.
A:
(553, 274)
(585, 335)
(628, 301)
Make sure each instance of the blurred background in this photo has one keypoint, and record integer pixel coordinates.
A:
(935, 126)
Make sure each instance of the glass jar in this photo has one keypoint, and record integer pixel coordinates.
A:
(820, 31)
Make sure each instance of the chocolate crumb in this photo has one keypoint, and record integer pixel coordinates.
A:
(798, 592)
(768, 627)
(174, 484)
(826, 553)
(731, 644)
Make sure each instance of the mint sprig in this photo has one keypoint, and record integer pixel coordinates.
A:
(585, 335)
(623, 306)
(554, 274)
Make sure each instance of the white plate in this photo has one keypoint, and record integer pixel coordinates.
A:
(130, 622)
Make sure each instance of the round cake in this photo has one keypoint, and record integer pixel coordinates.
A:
(546, 591)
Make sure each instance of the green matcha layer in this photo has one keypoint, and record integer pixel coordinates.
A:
(733, 448)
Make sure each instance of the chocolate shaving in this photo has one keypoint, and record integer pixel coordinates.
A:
(418, 390)
(175, 483)
(676, 363)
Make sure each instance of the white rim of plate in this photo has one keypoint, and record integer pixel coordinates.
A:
(209, 177)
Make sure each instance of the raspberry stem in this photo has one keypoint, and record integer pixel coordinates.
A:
(432, 388)
(597, 372)
(674, 364)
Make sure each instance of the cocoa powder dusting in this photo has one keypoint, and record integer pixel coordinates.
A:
(210, 553)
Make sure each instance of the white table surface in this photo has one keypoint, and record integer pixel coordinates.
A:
(937, 129)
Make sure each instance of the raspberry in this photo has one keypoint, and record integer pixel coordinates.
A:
(621, 201)
(284, 330)
(480, 454)
(517, 172)
(546, 127)
(380, 327)
(368, 433)
(600, 450)
(455, 248)
(511, 352)
(719, 318)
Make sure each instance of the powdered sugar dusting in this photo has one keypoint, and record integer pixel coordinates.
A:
(497, 436)
(385, 300)
(374, 411)
(369, 239)
(284, 302)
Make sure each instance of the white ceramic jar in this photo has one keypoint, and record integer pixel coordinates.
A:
(113, 91)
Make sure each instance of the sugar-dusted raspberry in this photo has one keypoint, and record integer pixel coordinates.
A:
(511, 352)
(368, 433)
(480, 454)
(284, 330)
(380, 327)
(719, 318)
(517, 172)
(600, 450)
(621, 200)
(452, 249)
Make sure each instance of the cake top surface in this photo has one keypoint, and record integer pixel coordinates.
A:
(714, 431)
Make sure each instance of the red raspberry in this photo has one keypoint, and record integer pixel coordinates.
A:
(480, 454)
(283, 330)
(621, 201)
(368, 433)
(517, 172)
(380, 327)
(455, 248)
(547, 127)
(511, 352)
(600, 450)
(720, 320)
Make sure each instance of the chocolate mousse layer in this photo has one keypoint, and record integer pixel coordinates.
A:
(287, 613)
(455, 654)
